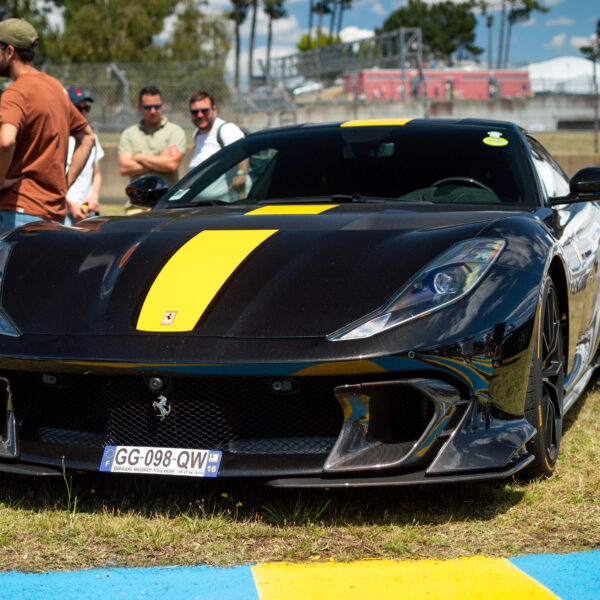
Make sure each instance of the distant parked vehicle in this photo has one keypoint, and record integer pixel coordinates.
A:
(308, 87)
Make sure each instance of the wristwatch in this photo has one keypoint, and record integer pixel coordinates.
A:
(240, 172)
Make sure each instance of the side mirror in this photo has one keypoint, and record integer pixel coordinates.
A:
(584, 187)
(147, 191)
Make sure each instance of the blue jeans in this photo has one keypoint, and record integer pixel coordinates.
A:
(10, 219)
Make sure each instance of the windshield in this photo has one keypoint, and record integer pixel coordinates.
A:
(444, 163)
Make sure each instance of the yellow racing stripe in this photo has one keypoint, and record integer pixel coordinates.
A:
(292, 209)
(461, 579)
(194, 275)
(372, 122)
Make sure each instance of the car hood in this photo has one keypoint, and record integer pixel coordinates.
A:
(288, 271)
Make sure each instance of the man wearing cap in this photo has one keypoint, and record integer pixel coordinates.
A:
(85, 191)
(36, 119)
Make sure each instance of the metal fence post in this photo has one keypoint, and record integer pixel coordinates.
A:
(121, 77)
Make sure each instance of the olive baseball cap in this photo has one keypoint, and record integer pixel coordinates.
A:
(18, 33)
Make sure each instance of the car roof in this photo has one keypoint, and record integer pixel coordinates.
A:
(399, 122)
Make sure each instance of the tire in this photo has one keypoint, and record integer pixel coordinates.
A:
(544, 400)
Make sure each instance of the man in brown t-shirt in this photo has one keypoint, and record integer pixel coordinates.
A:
(36, 119)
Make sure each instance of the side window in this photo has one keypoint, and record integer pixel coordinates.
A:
(553, 178)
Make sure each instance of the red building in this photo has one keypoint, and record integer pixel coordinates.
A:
(393, 84)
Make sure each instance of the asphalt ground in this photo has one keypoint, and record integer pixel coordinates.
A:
(536, 577)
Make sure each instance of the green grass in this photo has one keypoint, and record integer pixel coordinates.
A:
(91, 521)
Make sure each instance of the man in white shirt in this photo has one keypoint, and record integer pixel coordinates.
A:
(85, 190)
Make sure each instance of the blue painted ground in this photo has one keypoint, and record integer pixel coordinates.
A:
(173, 583)
(570, 576)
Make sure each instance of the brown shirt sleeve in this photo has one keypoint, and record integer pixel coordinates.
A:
(13, 107)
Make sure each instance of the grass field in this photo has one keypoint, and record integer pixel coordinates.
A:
(89, 521)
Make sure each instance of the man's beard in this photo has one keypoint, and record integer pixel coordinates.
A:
(4, 71)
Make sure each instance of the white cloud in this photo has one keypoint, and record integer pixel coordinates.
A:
(353, 34)
(378, 9)
(529, 23)
(577, 41)
(559, 21)
(558, 42)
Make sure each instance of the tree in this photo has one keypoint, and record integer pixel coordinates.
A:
(321, 8)
(254, 4)
(592, 52)
(197, 38)
(36, 13)
(520, 11)
(112, 30)
(274, 10)
(344, 5)
(448, 29)
(238, 16)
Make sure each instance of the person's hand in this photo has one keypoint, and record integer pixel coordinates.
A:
(93, 203)
(78, 211)
(238, 183)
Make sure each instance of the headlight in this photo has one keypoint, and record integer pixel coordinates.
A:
(443, 281)
(6, 326)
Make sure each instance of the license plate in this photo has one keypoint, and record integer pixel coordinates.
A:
(160, 461)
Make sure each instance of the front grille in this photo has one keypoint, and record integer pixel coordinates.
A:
(236, 414)
(243, 415)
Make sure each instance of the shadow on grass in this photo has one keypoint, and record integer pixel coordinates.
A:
(245, 501)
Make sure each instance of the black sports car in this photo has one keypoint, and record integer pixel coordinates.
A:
(365, 303)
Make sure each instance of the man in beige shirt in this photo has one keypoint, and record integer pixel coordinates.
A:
(154, 146)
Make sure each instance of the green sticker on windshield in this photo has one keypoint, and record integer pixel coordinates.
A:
(495, 139)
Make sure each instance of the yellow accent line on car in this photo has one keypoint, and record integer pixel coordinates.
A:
(292, 209)
(194, 275)
(469, 578)
(373, 122)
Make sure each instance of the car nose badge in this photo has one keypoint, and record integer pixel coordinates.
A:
(160, 405)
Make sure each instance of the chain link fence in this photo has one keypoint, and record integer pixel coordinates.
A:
(115, 88)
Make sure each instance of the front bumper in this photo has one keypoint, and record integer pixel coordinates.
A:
(388, 421)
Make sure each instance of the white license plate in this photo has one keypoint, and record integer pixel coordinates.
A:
(160, 461)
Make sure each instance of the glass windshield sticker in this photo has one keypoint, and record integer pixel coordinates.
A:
(161, 461)
(495, 139)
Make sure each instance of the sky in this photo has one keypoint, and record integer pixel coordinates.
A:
(568, 25)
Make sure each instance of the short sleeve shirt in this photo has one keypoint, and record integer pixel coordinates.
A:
(206, 144)
(138, 139)
(39, 107)
(81, 188)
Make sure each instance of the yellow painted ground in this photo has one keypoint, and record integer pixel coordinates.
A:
(462, 579)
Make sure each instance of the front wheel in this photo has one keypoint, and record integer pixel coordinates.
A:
(543, 404)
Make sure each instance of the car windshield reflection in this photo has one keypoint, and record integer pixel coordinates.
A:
(442, 164)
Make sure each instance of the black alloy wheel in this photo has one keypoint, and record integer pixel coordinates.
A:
(544, 401)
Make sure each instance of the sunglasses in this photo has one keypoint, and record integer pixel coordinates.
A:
(84, 108)
(149, 107)
(196, 111)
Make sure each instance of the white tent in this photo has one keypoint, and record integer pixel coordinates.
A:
(566, 75)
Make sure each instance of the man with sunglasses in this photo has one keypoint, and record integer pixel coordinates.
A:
(83, 197)
(154, 146)
(212, 132)
(37, 118)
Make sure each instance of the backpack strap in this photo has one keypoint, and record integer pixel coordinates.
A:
(219, 138)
